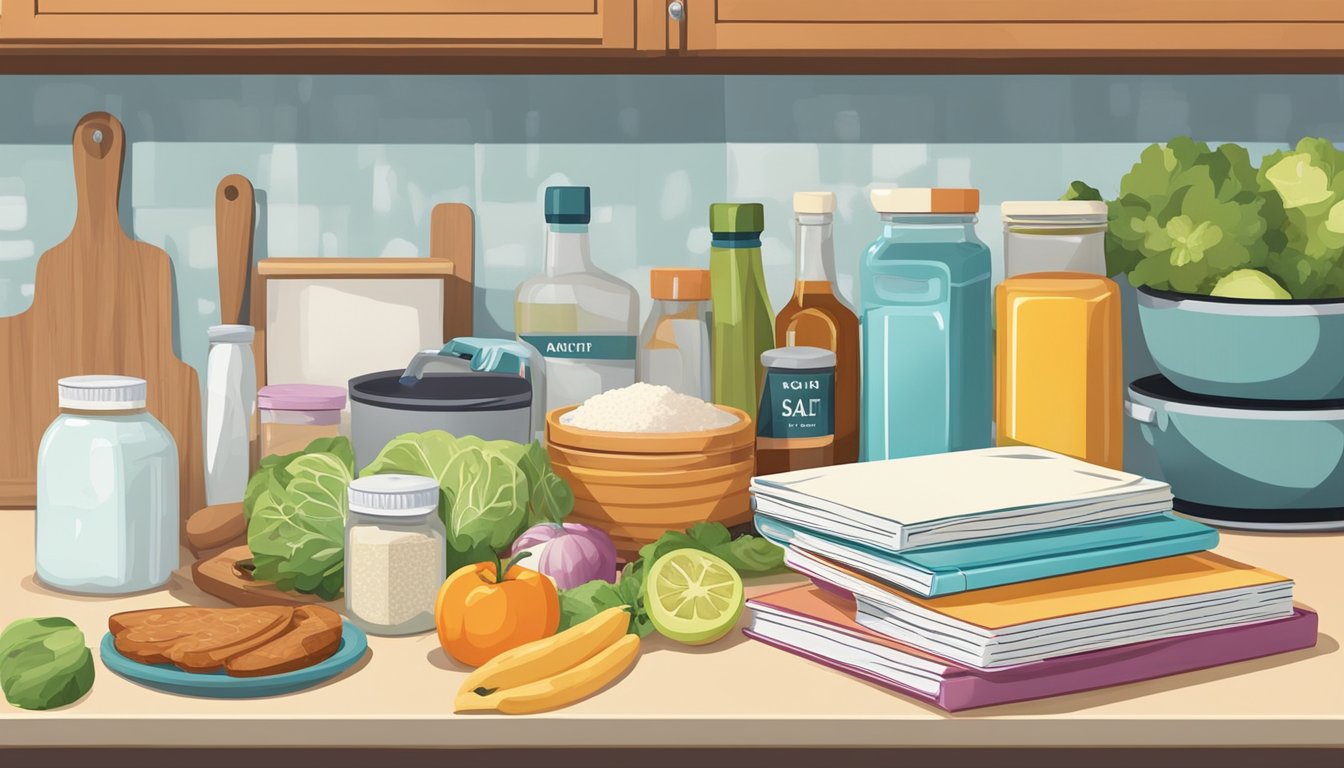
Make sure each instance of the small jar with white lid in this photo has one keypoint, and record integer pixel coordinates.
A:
(395, 553)
(1054, 236)
(107, 506)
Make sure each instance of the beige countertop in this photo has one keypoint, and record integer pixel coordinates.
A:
(734, 693)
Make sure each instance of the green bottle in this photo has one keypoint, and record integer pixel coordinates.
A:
(744, 324)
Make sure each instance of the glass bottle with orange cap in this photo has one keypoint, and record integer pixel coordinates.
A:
(925, 326)
(674, 345)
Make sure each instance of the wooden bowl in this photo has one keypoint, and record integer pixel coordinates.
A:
(711, 441)
(638, 486)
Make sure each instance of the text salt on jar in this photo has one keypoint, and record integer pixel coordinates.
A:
(1054, 236)
(395, 554)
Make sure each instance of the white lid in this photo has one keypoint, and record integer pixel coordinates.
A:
(394, 495)
(101, 393)
(1034, 209)
(231, 334)
(814, 202)
(798, 358)
(925, 200)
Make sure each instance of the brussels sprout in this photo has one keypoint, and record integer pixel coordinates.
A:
(44, 663)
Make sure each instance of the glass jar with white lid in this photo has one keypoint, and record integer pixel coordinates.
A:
(1054, 236)
(107, 505)
(395, 553)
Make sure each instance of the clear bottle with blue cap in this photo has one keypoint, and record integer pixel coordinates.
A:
(583, 321)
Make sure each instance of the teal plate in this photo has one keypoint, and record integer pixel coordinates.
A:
(217, 685)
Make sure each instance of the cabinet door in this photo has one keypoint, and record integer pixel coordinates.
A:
(986, 27)
(575, 24)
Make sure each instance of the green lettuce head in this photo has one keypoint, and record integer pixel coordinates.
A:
(1308, 184)
(44, 663)
(1186, 216)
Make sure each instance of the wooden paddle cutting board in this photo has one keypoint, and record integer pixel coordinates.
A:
(102, 304)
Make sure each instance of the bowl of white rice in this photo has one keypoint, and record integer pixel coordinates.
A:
(643, 460)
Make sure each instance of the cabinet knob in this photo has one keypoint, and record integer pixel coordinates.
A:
(676, 11)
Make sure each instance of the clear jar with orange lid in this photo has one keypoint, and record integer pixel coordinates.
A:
(674, 345)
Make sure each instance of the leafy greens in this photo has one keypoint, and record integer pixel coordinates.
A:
(585, 601)
(492, 490)
(296, 509)
(746, 554)
(749, 555)
(1205, 221)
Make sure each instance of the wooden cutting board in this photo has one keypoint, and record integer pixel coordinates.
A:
(102, 304)
(228, 576)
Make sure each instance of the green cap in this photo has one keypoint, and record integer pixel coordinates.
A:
(737, 218)
(567, 205)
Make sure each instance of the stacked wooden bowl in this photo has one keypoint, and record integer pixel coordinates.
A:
(638, 485)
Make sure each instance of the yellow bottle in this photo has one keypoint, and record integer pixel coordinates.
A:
(1058, 370)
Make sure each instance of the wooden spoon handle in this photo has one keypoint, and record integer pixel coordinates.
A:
(235, 220)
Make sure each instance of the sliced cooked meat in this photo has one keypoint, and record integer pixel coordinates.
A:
(313, 636)
(198, 639)
(146, 636)
(229, 633)
(120, 622)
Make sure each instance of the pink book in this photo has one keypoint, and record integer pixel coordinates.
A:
(819, 626)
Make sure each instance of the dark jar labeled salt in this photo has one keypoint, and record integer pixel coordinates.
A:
(795, 423)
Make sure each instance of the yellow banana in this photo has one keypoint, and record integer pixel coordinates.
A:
(552, 655)
(559, 690)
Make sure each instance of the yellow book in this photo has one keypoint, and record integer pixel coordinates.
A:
(1058, 616)
(1105, 589)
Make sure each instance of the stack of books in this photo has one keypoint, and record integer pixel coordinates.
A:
(1006, 574)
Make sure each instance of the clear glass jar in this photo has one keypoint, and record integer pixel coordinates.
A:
(294, 415)
(107, 508)
(674, 345)
(1054, 236)
(396, 553)
(928, 381)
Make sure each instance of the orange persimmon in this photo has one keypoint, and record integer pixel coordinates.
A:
(479, 615)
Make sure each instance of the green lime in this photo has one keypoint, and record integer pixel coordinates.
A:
(693, 597)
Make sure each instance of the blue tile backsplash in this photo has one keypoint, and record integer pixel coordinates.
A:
(351, 166)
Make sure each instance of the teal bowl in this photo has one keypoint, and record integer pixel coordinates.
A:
(1248, 348)
(1259, 465)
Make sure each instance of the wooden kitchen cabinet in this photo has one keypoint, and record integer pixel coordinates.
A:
(1011, 28)
(306, 24)
(670, 36)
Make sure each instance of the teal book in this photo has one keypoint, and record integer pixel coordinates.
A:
(946, 569)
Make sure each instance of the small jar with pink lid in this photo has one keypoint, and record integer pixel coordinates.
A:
(294, 415)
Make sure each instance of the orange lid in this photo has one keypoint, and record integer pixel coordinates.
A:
(678, 284)
(925, 200)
